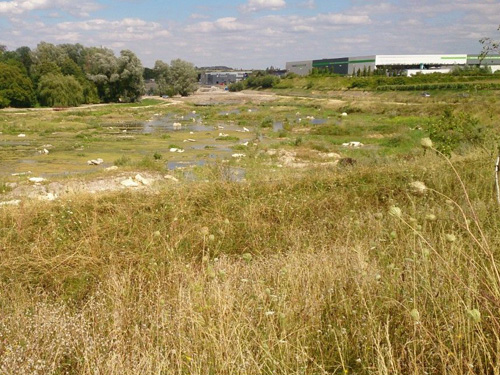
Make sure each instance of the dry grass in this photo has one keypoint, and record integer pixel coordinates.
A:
(305, 275)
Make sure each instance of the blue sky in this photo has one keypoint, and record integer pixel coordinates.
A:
(253, 33)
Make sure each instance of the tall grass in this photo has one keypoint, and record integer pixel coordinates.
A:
(304, 275)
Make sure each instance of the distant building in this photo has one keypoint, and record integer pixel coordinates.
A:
(222, 78)
(404, 64)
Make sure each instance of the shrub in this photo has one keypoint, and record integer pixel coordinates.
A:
(451, 131)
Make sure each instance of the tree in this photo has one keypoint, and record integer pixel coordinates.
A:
(57, 90)
(131, 76)
(16, 88)
(102, 69)
(183, 77)
(161, 72)
(489, 46)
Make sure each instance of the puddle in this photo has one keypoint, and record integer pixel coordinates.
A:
(211, 147)
(173, 165)
(318, 121)
(277, 126)
(231, 112)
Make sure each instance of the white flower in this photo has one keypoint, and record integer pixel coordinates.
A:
(426, 143)
(395, 211)
(418, 187)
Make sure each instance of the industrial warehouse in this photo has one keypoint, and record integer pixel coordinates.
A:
(400, 64)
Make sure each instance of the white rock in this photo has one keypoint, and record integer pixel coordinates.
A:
(245, 143)
(36, 179)
(15, 202)
(95, 161)
(191, 132)
(173, 149)
(344, 114)
(180, 150)
(223, 135)
(238, 155)
(129, 183)
(354, 144)
(245, 129)
(142, 180)
(112, 168)
(49, 197)
(171, 178)
(21, 135)
(177, 125)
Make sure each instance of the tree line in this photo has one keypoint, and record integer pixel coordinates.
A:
(71, 74)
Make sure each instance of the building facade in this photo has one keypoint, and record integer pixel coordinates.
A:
(222, 78)
(410, 64)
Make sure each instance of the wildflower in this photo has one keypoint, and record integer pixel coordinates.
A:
(418, 187)
(426, 143)
(430, 217)
(395, 211)
(211, 237)
(247, 257)
(204, 231)
(415, 315)
(474, 315)
(450, 237)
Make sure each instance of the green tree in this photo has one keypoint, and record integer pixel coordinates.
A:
(57, 90)
(131, 76)
(16, 88)
(183, 77)
(102, 69)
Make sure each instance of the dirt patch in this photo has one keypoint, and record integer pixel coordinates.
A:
(47, 190)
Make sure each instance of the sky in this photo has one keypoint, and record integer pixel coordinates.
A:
(253, 34)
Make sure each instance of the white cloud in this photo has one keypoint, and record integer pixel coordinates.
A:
(257, 5)
(308, 4)
(76, 8)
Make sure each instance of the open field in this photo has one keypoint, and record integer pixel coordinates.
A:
(269, 248)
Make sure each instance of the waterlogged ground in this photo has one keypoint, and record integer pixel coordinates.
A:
(213, 134)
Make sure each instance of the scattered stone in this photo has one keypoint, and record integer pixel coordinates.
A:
(238, 155)
(177, 125)
(95, 161)
(112, 168)
(21, 173)
(190, 140)
(344, 114)
(171, 178)
(22, 135)
(353, 144)
(36, 180)
(142, 180)
(49, 197)
(246, 130)
(129, 182)
(223, 135)
(43, 152)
